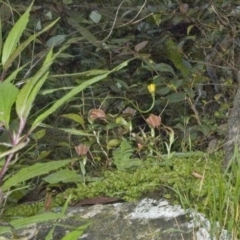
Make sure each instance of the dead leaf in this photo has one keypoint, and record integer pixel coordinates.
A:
(140, 46)
(48, 201)
(183, 7)
(97, 200)
(197, 175)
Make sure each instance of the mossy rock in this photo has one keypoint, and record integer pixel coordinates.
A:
(173, 177)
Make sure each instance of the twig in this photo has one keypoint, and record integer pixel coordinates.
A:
(114, 22)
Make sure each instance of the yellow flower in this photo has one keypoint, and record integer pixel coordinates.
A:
(152, 88)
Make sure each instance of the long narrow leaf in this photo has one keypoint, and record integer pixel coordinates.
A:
(24, 222)
(76, 233)
(21, 47)
(85, 32)
(63, 176)
(14, 74)
(14, 149)
(14, 36)
(35, 170)
(30, 90)
(76, 132)
(88, 73)
(73, 92)
(50, 91)
(66, 204)
(8, 95)
(1, 42)
(50, 233)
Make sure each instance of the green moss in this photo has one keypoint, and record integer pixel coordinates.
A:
(132, 185)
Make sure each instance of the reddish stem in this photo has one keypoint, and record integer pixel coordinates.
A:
(5, 167)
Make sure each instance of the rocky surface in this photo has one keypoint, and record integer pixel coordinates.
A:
(147, 219)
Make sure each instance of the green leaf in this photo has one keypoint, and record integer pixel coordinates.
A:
(13, 149)
(75, 234)
(1, 40)
(85, 33)
(122, 157)
(24, 222)
(39, 134)
(14, 74)
(55, 40)
(21, 47)
(163, 90)
(205, 129)
(161, 67)
(76, 132)
(73, 92)
(157, 18)
(90, 73)
(50, 233)
(35, 170)
(176, 97)
(121, 121)
(113, 144)
(177, 83)
(30, 90)
(8, 95)
(175, 55)
(64, 176)
(50, 91)
(75, 117)
(14, 36)
(66, 204)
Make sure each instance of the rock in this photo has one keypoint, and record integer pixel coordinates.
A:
(147, 219)
(233, 132)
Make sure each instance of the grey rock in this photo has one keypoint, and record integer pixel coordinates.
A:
(147, 219)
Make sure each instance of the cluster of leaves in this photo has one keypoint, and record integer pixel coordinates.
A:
(165, 41)
(161, 43)
(20, 122)
(163, 36)
(18, 94)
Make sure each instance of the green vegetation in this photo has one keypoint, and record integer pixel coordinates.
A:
(117, 105)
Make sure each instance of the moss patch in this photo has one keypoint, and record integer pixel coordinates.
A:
(170, 178)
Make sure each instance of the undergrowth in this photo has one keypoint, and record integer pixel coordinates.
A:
(131, 96)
